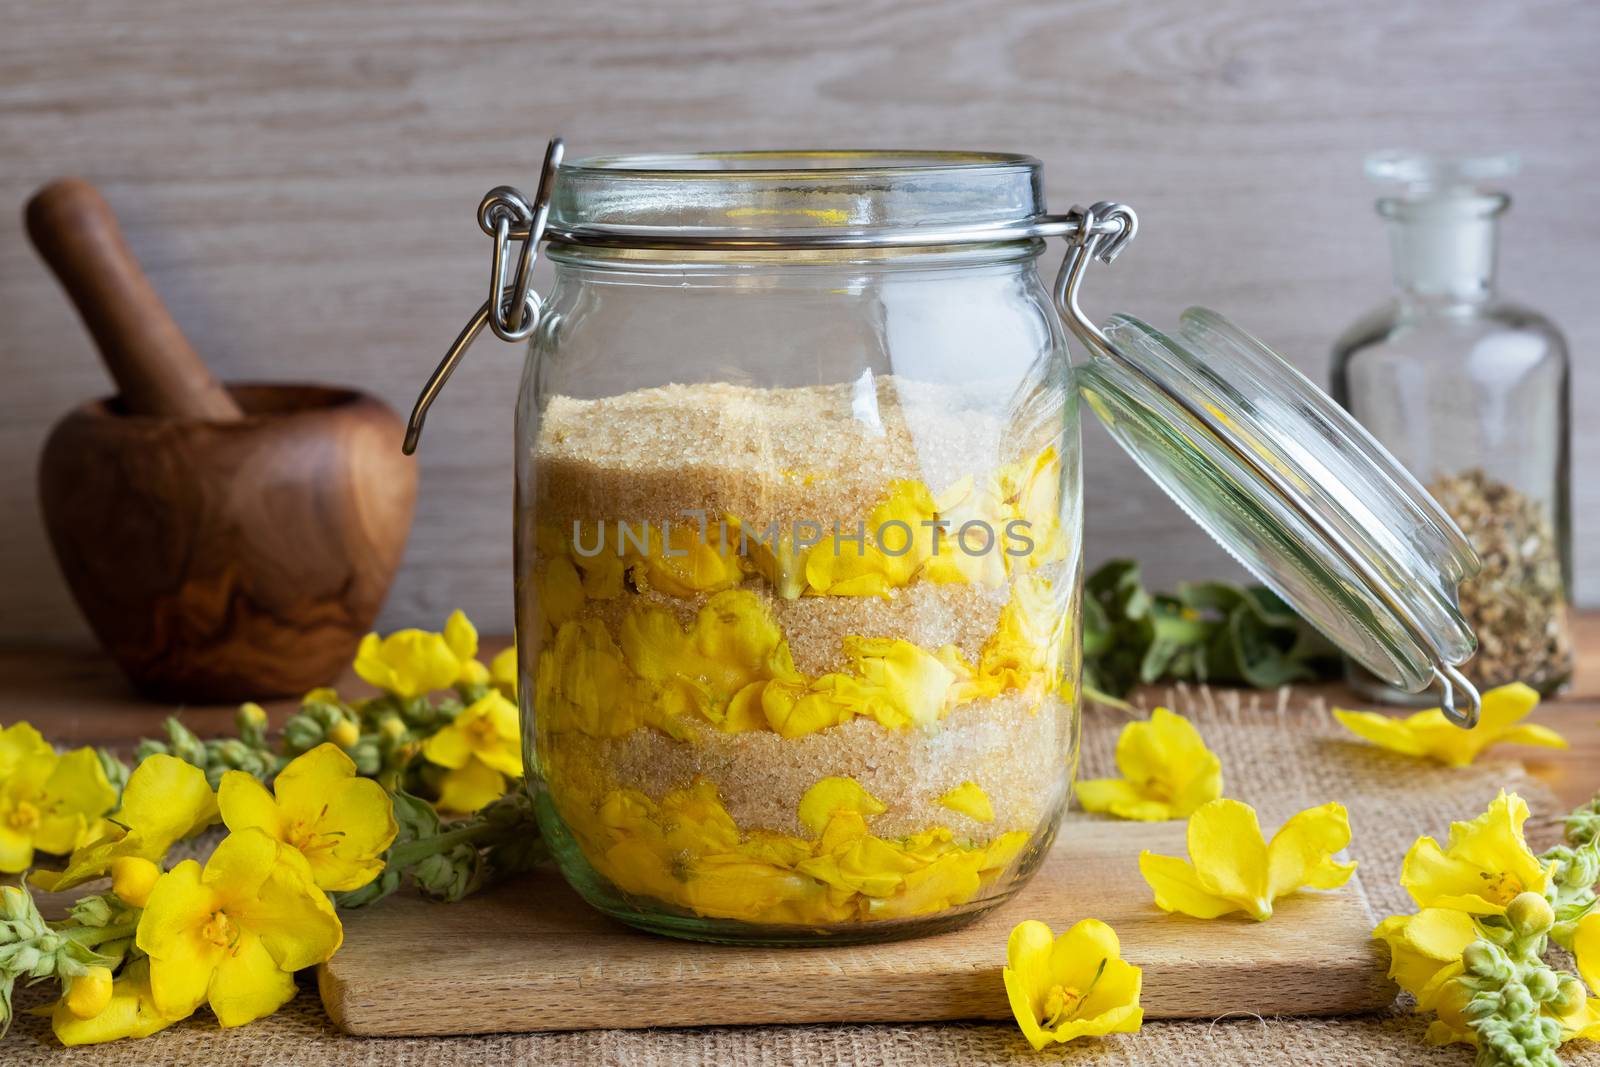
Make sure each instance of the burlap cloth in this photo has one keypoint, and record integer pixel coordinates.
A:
(1280, 752)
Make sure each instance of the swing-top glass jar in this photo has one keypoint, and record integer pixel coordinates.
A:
(798, 525)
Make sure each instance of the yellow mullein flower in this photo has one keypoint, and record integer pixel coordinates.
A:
(1586, 949)
(685, 564)
(775, 559)
(129, 1012)
(165, 801)
(970, 800)
(233, 933)
(1429, 733)
(48, 801)
(462, 637)
(1025, 649)
(583, 683)
(969, 502)
(1486, 865)
(1582, 1023)
(1425, 950)
(894, 544)
(90, 993)
(481, 749)
(339, 822)
(892, 681)
(1167, 772)
(412, 663)
(560, 591)
(687, 850)
(1072, 986)
(503, 672)
(1233, 868)
(833, 795)
(132, 878)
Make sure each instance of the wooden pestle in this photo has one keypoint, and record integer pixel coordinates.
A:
(156, 370)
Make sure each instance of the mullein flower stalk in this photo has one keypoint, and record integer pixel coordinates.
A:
(1574, 871)
(448, 861)
(34, 950)
(1510, 997)
(248, 752)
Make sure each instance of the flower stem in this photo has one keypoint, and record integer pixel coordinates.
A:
(90, 936)
(411, 852)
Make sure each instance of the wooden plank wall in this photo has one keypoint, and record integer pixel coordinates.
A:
(299, 177)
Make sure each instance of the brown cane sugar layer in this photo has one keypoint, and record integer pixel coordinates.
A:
(1014, 748)
(930, 615)
(815, 454)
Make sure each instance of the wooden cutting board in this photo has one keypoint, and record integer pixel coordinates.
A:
(530, 955)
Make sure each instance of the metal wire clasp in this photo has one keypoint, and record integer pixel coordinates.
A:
(513, 309)
(1103, 231)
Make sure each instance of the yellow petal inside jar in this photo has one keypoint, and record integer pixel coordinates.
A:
(839, 707)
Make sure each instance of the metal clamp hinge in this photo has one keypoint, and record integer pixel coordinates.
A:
(513, 309)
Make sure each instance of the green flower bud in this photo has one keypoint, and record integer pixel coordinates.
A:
(15, 904)
(1583, 825)
(1583, 870)
(116, 771)
(23, 960)
(92, 911)
(392, 730)
(448, 876)
(1569, 995)
(148, 747)
(1542, 984)
(1485, 960)
(368, 758)
(374, 891)
(302, 733)
(1516, 1001)
(184, 744)
(1530, 914)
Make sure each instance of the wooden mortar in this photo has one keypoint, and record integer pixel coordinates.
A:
(224, 543)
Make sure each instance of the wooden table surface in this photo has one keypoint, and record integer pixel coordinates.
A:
(79, 698)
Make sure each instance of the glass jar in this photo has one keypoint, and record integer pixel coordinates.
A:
(798, 526)
(1470, 391)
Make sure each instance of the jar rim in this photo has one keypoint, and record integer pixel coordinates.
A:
(797, 198)
(828, 163)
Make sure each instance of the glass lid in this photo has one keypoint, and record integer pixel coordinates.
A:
(1295, 489)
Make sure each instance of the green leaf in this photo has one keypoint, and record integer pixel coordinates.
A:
(1211, 632)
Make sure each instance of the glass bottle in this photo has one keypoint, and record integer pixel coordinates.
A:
(1469, 391)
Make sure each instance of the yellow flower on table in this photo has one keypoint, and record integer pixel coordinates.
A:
(89, 993)
(1430, 734)
(339, 822)
(1582, 1023)
(1077, 985)
(165, 801)
(412, 663)
(503, 672)
(480, 749)
(1425, 950)
(130, 1012)
(1233, 868)
(1167, 772)
(1586, 949)
(1486, 865)
(48, 801)
(234, 932)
